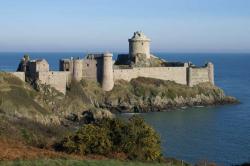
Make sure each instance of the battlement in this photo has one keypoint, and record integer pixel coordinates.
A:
(139, 36)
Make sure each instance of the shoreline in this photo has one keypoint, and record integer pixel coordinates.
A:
(169, 108)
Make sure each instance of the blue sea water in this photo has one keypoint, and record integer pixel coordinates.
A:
(220, 134)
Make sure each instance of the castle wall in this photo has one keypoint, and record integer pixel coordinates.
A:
(90, 69)
(198, 75)
(66, 65)
(20, 75)
(210, 67)
(38, 66)
(177, 74)
(57, 80)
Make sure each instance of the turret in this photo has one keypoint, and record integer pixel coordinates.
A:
(107, 72)
(77, 69)
(139, 44)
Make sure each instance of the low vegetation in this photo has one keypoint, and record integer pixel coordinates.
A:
(134, 138)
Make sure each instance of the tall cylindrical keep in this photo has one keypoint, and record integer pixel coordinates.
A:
(139, 44)
(107, 74)
(77, 69)
(210, 67)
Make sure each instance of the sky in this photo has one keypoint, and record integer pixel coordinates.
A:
(106, 25)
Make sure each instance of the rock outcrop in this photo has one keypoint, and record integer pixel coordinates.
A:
(146, 94)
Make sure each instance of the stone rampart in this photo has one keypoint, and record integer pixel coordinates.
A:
(177, 74)
(90, 71)
(198, 75)
(57, 80)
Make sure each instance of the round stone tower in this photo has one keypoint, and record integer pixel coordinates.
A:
(139, 44)
(77, 69)
(107, 72)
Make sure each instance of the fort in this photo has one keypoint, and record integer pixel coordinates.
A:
(139, 62)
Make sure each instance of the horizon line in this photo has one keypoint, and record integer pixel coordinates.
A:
(121, 52)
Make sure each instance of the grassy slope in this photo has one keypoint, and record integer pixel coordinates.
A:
(17, 98)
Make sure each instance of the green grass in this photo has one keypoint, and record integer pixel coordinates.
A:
(61, 162)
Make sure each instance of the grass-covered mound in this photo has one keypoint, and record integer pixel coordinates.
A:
(44, 104)
(17, 99)
(133, 138)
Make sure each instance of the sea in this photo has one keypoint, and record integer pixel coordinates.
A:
(219, 134)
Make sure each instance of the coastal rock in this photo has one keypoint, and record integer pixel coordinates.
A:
(146, 94)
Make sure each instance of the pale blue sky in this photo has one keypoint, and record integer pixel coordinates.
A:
(105, 25)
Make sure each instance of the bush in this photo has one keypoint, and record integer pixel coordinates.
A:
(134, 137)
(90, 139)
(141, 141)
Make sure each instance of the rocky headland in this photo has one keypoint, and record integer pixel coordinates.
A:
(40, 116)
(87, 99)
(147, 94)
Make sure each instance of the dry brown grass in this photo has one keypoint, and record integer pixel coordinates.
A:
(14, 150)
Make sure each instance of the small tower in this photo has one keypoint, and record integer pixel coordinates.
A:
(107, 72)
(139, 44)
(77, 69)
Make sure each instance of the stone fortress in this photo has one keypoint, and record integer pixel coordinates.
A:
(102, 69)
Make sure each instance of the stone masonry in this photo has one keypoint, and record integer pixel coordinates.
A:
(101, 68)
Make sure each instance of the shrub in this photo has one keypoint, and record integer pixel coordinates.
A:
(134, 137)
(90, 139)
(141, 141)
